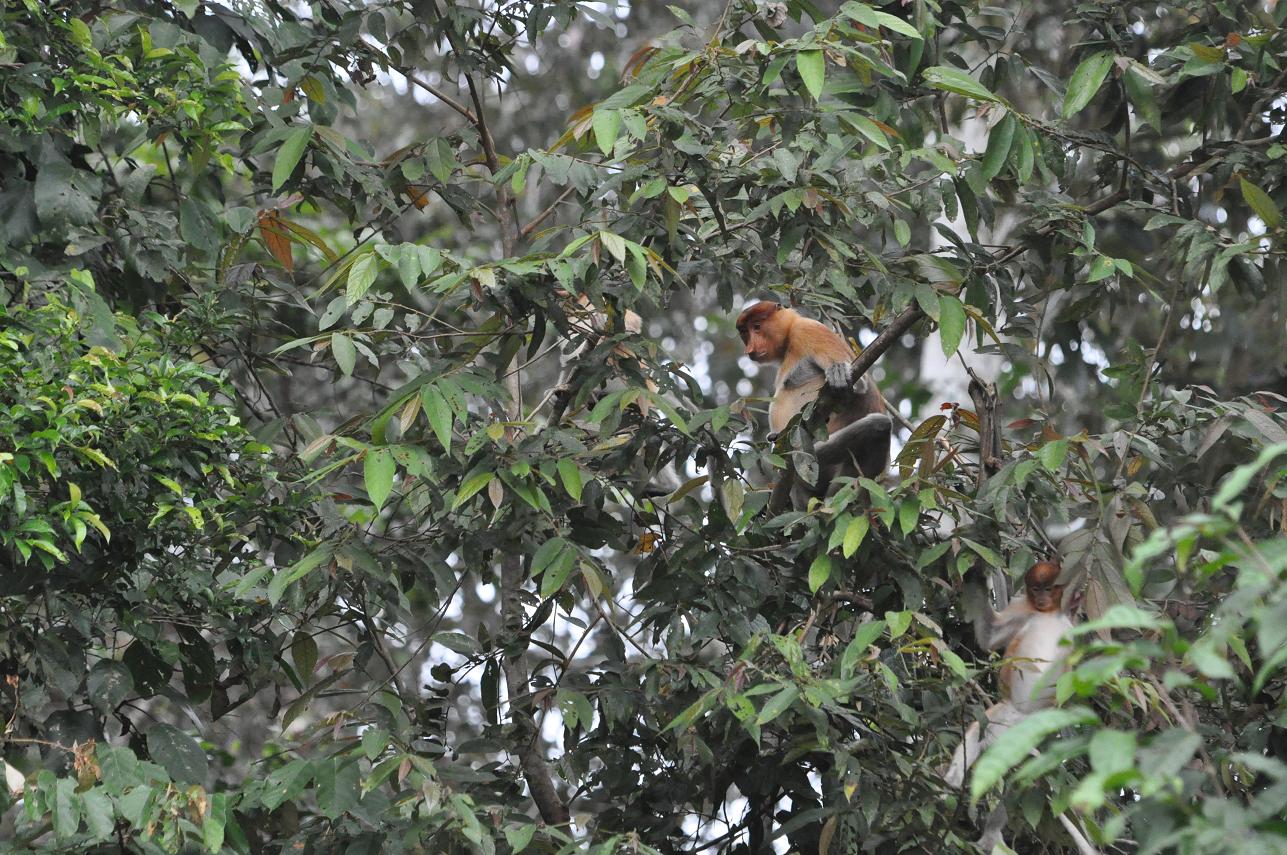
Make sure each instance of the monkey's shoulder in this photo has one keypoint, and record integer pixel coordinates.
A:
(814, 338)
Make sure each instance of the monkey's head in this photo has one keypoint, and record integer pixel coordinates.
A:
(1039, 582)
(759, 326)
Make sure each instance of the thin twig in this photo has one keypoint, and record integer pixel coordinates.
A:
(527, 230)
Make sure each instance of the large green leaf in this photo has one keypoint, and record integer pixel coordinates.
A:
(813, 70)
(1086, 81)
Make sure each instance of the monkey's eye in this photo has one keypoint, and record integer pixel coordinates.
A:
(756, 327)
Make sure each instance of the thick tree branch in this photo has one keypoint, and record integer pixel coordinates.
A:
(984, 396)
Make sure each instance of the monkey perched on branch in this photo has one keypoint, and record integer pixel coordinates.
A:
(811, 356)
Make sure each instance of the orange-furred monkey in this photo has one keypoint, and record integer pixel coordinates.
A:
(1030, 628)
(812, 356)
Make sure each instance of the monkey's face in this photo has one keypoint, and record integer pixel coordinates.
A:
(757, 328)
(1044, 596)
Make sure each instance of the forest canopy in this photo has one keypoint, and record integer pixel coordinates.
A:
(381, 469)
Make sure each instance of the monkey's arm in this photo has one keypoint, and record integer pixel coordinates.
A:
(838, 374)
(821, 351)
(995, 629)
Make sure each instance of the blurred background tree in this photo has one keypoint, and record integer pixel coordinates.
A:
(333, 521)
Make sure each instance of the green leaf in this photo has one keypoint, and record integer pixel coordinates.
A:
(954, 80)
(178, 753)
(361, 275)
(854, 534)
(65, 807)
(863, 637)
(615, 245)
(813, 70)
(1053, 454)
(374, 741)
(288, 156)
(215, 822)
(951, 323)
(547, 554)
(1016, 743)
(557, 573)
(1085, 82)
(439, 413)
(303, 651)
(109, 682)
(99, 815)
(344, 352)
(1140, 93)
(1261, 203)
(864, 14)
(408, 265)
(377, 473)
(820, 571)
(1112, 751)
(472, 485)
(570, 475)
(637, 266)
(442, 161)
(777, 705)
(999, 143)
(898, 622)
(518, 837)
(296, 571)
(607, 123)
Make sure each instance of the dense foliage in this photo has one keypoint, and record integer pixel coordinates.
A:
(309, 543)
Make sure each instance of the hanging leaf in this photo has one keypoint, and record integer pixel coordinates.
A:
(813, 69)
(361, 275)
(344, 352)
(999, 143)
(819, 572)
(377, 473)
(951, 323)
(1261, 203)
(607, 123)
(855, 532)
(1017, 742)
(1085, 82)
(289, 155)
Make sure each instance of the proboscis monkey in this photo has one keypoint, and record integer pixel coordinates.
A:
(810, 356)
(1030, 628)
